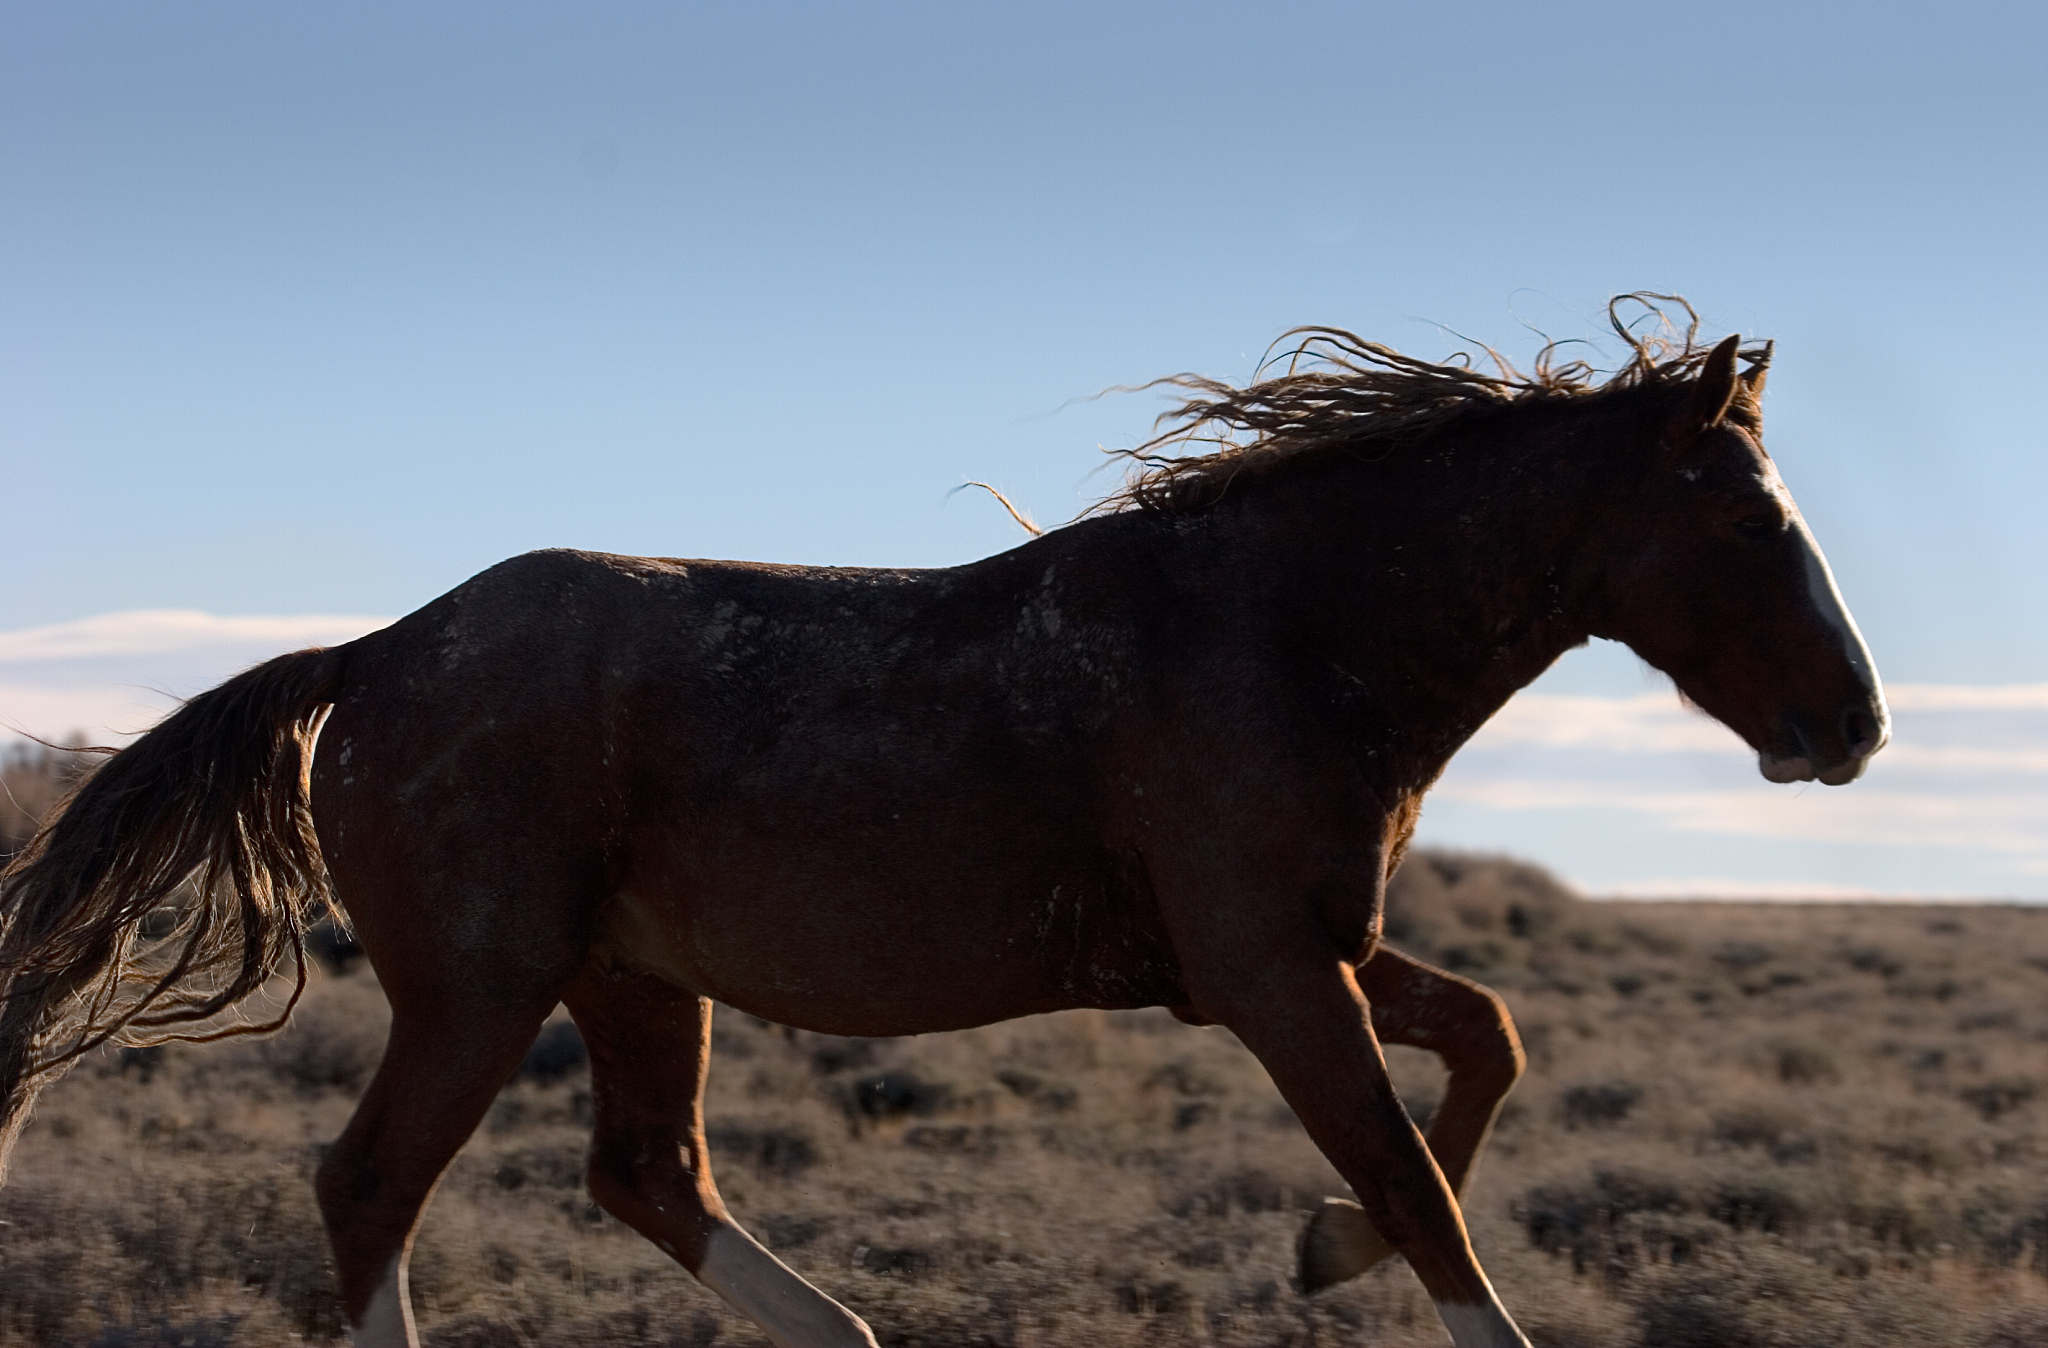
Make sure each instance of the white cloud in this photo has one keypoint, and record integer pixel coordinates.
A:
(1965, 759)
(2002, 821)
(1645, 723)
(1728, 890)
(63, 715)
(1967, 697)
(154, 631)
(114, 676)
(1657, 723)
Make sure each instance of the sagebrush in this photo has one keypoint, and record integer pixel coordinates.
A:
(1743, 1125)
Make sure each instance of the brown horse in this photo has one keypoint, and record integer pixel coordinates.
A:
(1163, 756)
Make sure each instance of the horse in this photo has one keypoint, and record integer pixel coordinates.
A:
(1164, 755)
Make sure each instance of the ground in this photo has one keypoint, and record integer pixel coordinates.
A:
(1743, 1126)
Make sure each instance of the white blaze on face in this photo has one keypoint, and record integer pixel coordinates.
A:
(1827, 602)
(1820, 581)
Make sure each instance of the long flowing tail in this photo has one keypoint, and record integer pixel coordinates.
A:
(171, 886)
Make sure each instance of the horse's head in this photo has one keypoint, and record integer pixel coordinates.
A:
(1721, 585)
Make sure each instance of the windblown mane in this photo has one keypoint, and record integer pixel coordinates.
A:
(1341, 392)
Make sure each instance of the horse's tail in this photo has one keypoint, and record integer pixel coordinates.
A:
(170, 886)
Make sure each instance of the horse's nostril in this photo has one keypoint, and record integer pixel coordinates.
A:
(1859, 732)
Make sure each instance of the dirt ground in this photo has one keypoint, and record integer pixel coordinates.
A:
(1743, 1126)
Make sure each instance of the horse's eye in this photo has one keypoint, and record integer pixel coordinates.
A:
(1756, 526)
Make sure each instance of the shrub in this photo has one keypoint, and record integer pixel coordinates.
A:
(330, 1045)
(771, 1150)
(1599, 1104)
(1045, 1094)
(1802, 1064)
(1053, 1202)
(1995, 1098)
(891, 1095)
(1248, 1190)
(1616, 1221)
(1756, 1205)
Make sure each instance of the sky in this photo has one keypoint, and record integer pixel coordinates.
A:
(309, 313)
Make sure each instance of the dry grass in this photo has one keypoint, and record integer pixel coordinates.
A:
(1742, 1126)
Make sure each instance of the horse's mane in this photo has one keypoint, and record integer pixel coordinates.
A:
(1341, 392)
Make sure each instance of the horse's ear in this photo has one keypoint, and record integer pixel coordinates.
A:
(1716, 387)
(1759, 369)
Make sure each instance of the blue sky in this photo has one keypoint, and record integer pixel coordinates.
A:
(317, 311)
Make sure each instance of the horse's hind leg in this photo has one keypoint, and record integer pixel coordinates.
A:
(470, 976)
(1468, 1026)
(650, 1044)
(443, 1065)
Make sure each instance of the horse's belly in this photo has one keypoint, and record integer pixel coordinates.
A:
(841, 965)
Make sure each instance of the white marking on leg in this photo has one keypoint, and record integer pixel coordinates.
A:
(767, 1291)
(387, 1320)
(1486, 1325)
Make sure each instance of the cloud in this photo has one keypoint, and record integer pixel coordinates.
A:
(154, 631)
(1645, 723)
(1967, 697)
(2001, 821)
(114, 676)
(1740, 891)
(1930, 719)
(1600, 783)
(81, 715)
(1964, 759)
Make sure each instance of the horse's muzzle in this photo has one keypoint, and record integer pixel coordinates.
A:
(1863, 728)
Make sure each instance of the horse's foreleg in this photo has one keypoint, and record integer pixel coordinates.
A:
(1469, 1027)
(1308, 1022)
(442, 1067)
(650, 1044)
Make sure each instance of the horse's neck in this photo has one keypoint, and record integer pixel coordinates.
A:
(1440, 579)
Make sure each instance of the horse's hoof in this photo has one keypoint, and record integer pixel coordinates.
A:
(1340, 1243)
